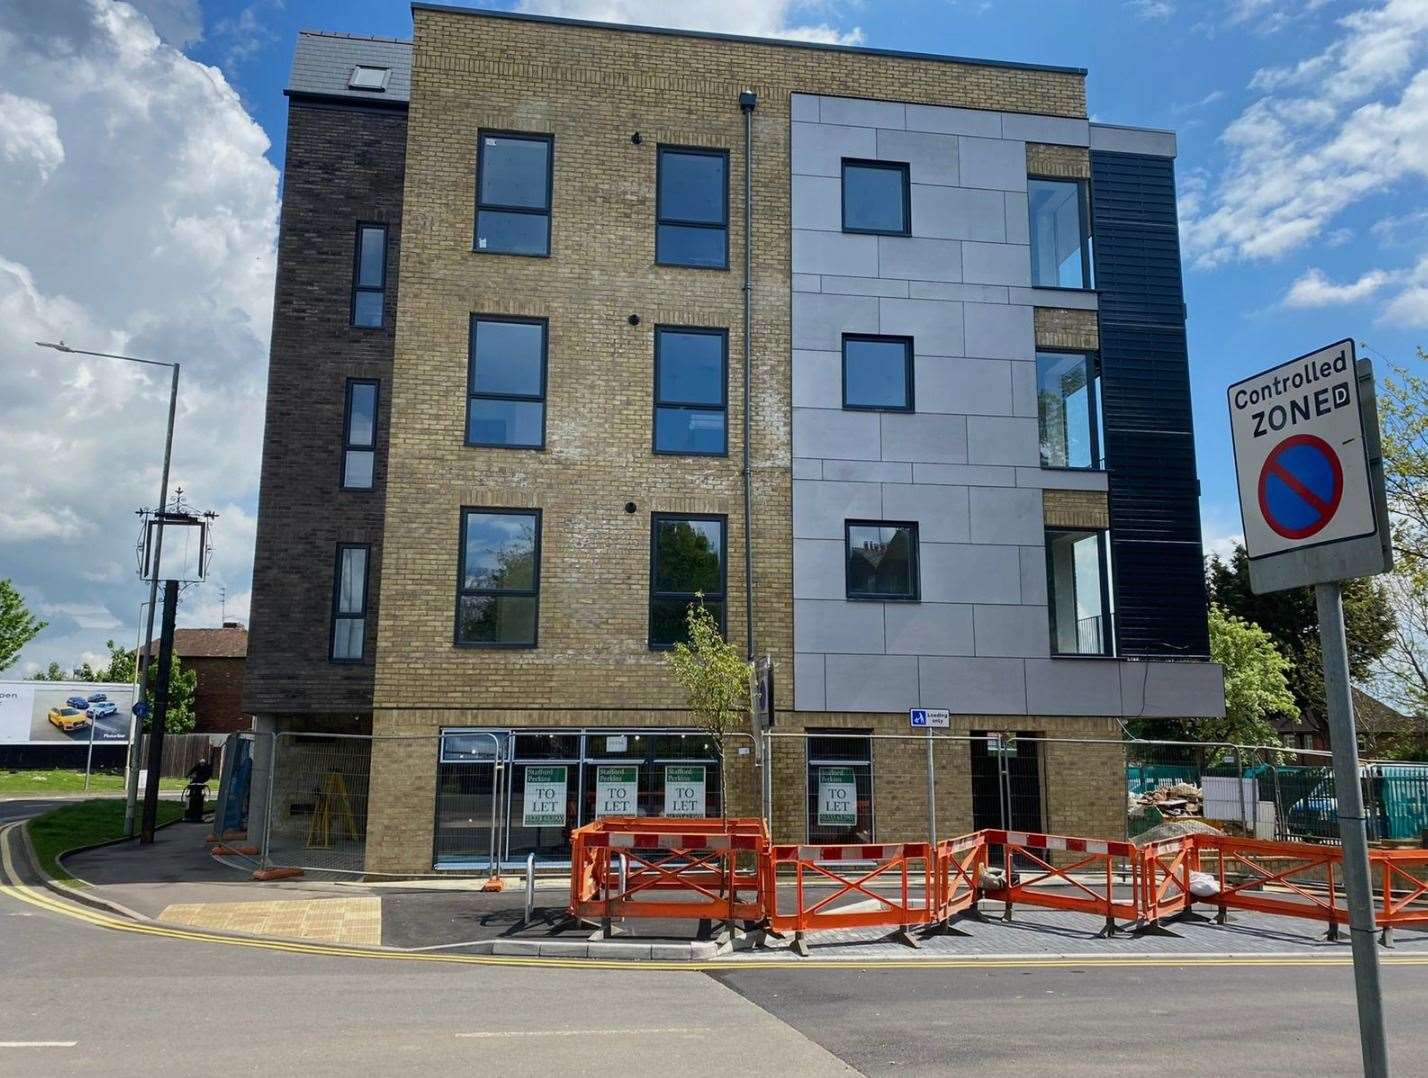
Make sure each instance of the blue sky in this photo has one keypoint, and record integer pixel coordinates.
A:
(1303, 130)
(1188, 65)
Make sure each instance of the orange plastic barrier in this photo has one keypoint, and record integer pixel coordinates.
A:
(1405, 894)
(813, 875)
(1098, 858)
(960, 862)
(1246, 867)
(1163, 878)
(697, 858)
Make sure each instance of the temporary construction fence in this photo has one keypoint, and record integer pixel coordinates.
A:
(463, 800)
(910, 886)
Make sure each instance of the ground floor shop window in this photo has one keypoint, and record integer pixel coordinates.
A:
(840, 786)
(506, 794)
(1006, 781)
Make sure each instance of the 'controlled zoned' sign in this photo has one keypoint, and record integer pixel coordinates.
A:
(1300, 454)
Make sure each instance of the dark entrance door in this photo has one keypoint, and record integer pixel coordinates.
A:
(1006, 786)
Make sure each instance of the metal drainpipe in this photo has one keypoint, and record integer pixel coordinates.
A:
(748, 100)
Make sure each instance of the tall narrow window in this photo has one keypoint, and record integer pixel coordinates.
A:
(349, 603)
(877, 198)
(692, 208)
(840, 786)
(507, 382)
(369, 277)
(1060, 233)
(1079, 590)
(513, 189)
(686, 563)
(498, 594)
(1068, 410)
(359, 435)
(691, 391)
(882, 560)
(877, 373)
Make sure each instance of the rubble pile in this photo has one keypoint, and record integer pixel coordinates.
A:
(1178, 800)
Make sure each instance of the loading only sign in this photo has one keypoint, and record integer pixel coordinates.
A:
(1300, 454)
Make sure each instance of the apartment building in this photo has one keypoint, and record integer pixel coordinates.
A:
(880, 355)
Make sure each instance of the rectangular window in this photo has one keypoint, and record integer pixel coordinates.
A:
(882, 560)
(506, 387)
(513, 189)
(692, 207)
(840, 787)
(369, 276)
(349, 603)
(359, 435)
(877, 373)
(1068, 393)
(686, 563)
(877, 198)
(1079, 592)
(1060, 233)
(691, 391)
(498, 589)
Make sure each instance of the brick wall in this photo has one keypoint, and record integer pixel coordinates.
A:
(1072, 330)
(1075, 509)
(343, 165)
(1071, 162)
(218, 698)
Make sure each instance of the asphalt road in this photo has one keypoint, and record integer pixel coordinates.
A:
(76, 998)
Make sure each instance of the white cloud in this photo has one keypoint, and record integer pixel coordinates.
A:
(178, 22)
(153, 235)
(755, 18)
(1313, 289)
(1151, 9)
(1345, 124)
(29, 137)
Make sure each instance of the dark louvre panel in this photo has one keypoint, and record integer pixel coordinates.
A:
(1149, 435)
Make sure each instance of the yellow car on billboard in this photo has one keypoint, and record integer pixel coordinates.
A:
(68, 719)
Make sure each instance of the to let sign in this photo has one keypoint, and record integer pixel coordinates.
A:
(544, 804)
(1302, 459)
(683, 790)
(615, 790)
(837, 797)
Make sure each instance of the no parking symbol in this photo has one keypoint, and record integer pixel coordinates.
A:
(1300, 486)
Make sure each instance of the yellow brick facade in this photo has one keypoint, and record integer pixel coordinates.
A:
(1066, 162)
(593, 90)
(1068, 330)
(1076, 508)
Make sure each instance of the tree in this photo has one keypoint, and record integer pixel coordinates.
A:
(17, 625)
(716, 683)
(1403, 422)
(53, 672)
(183, 684)
(118, 671)
(1291, 618)
(1256, 683)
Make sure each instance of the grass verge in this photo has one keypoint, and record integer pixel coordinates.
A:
(51, 781)
(83, 823)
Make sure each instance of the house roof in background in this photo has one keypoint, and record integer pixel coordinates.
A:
(229, 642)
(323, 63)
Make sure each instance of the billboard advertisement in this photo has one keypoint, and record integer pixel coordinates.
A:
(64, 712)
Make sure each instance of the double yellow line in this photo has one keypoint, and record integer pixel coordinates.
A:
(42, 898)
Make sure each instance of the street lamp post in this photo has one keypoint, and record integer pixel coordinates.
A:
(131, 793)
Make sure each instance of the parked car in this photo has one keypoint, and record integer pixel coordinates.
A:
(1395, 799)
(68, 719)
(102, 709)
(97, 697)
(80, 702)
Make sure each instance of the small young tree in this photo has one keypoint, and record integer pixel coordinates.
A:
(716, 683)
(1256, 682)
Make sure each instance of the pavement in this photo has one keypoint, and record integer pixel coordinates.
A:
(178, 882)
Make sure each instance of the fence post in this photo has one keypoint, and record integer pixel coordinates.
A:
(931, 792)
(268, 799)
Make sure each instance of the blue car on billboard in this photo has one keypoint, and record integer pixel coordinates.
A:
(97, 698)
(79, 702)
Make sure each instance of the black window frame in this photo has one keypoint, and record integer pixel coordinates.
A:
(357, 286)
(704, 151)
(1108, 627)
(338, 615)
(533, 592)
(915, 560)
(348, 446)
(1083, 209)
(888, 166)
(496, 207)
(909, 365)
(1093, 401)
(472, 395)
(723, 594)
(722, 407)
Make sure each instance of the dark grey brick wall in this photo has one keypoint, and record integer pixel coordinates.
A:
(343, 165)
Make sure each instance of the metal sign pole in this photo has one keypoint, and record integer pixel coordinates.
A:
(931, 792)
(1349, 794)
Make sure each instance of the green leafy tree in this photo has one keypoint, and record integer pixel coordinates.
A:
(183, 685)
(1256, 683)
(17, 625)
(715, 679)
(117, 671)
(53, 672)
(1291, 618)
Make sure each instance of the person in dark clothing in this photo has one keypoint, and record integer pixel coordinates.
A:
(200, 772)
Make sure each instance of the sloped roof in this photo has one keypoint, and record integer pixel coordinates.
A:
(323, 63)
(230, 642)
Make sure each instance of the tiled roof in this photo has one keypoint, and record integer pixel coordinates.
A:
(226, 643)
(323, 62)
